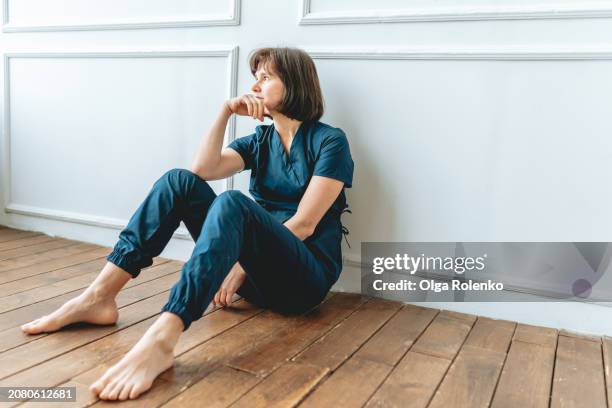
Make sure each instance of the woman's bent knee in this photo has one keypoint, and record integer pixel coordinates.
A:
(178, 180)
(232, 199)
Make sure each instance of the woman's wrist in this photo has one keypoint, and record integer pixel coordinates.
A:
(226, 107)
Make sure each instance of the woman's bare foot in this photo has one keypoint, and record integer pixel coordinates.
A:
(136, 371)
(95, 305)
(87, 307)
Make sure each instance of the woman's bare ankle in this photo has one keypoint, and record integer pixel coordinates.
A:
(108, 283)
(167, 329)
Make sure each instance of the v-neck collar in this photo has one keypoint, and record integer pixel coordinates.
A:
(287, 155)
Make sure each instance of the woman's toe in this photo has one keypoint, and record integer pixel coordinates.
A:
(125, 392)
(98, 386)
(137, 390)
(107, 390)
(114, 394)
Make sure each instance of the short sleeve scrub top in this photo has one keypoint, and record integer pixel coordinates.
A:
(279, 180)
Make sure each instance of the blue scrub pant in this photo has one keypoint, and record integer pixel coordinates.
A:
(282, 273)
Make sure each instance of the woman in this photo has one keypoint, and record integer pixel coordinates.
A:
(281, 251)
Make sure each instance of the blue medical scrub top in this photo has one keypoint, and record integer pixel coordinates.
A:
(279, 180)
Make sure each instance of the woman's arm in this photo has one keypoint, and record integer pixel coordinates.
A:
(318, 198)
(210, 163)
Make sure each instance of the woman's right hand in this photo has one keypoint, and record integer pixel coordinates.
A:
(248, 105)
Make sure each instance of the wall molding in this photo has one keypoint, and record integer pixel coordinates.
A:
(201, 21)
(449, 13)
(231, 53)
(501, 53)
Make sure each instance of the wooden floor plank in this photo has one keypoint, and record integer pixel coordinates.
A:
(470, 380)
(285, 387)
(39, 294)
(11, 235)
(491, 334)
(392, 341)
(264, 359)
(59, 258)
(414, 380)
(444, 336)
(354, 382)
(537, 335)
(335, 347)
(351, 385)
(472, 377)
(30, 271)
(17, 317)
(24, 242)
(51, 277)
(26, 252)
(412, 383)
(217, 390)
(578, 378)
(526, 378)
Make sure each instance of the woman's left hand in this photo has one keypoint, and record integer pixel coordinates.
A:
(230, 285)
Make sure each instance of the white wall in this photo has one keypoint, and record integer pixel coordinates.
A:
(468, 121)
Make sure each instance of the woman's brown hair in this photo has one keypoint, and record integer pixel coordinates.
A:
(303, 99)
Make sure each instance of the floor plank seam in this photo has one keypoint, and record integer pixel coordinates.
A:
(27, 245)
(552, 379)
(603, 366)
(313, 389)
(39, 262)
(45, 284)
(503, 365)
(42, 262)
(67, 245)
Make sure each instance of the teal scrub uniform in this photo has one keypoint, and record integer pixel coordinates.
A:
(284, 274)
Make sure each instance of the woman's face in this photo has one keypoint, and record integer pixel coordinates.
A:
(269, 87)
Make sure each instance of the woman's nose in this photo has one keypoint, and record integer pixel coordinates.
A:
(255, 87)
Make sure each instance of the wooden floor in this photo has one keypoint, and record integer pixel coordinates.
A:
(351, 351)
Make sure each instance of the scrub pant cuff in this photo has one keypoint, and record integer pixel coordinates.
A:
(180, 311)
(125, 262)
